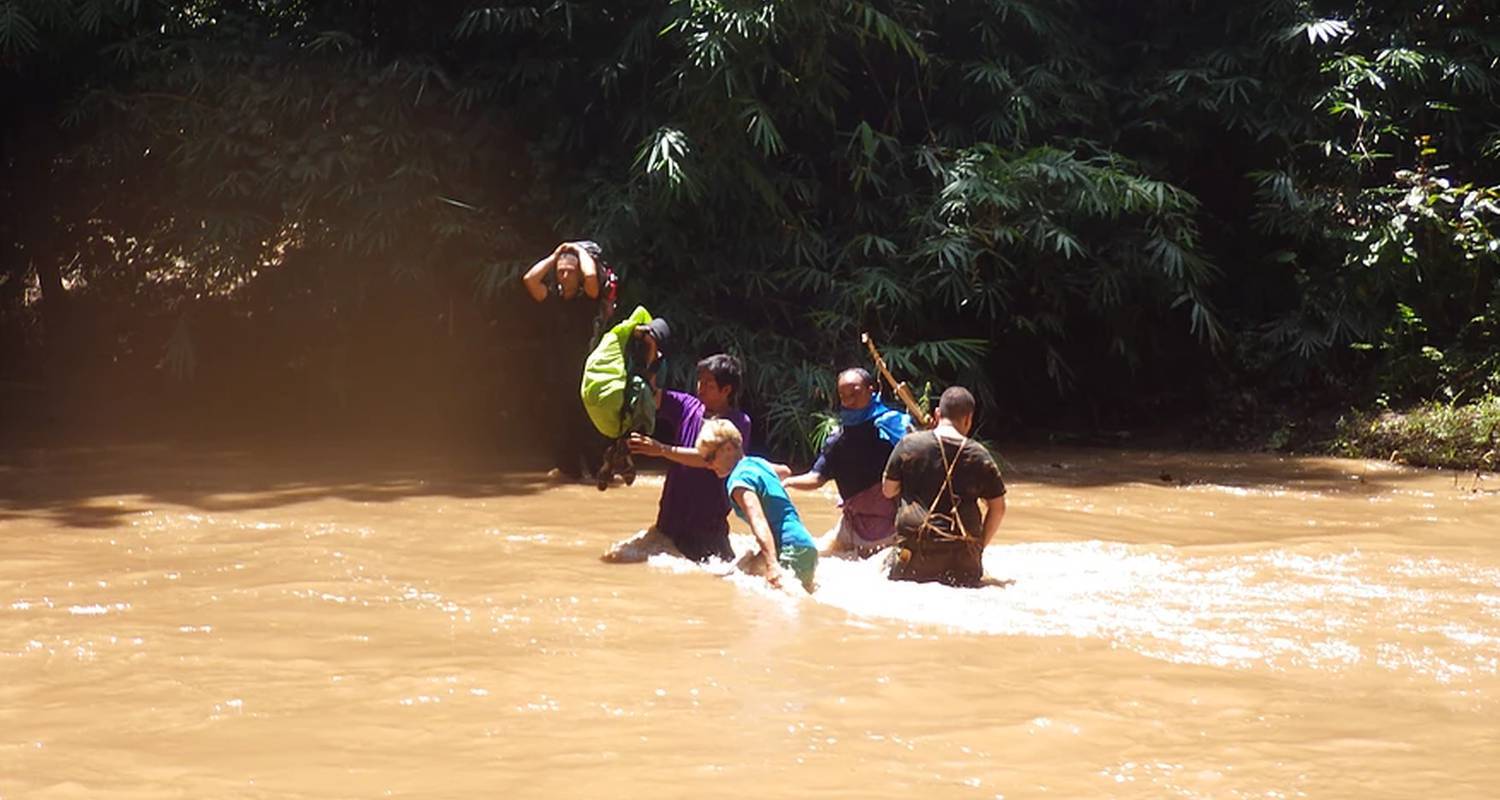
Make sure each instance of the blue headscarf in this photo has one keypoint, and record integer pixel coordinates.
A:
(889, 423)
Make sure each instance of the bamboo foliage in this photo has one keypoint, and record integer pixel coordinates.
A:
(1066, 201)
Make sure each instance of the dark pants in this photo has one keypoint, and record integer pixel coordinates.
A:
(576, 445)
(952, 563)
(701, 547)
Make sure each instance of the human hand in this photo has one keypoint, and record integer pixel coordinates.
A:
(644, 445)
(771, 569)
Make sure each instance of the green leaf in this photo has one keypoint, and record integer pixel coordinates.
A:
(18, 35)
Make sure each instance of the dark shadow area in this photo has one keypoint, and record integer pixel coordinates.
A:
(1083, 468)
(95, 486)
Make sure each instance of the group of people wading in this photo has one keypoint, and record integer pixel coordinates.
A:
(909, 491)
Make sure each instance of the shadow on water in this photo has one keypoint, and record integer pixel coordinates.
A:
(95, 486)
(1082, 468)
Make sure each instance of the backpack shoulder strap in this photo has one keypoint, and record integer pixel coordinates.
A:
(948, 483)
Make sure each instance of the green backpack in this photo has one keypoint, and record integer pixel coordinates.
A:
(617, 402)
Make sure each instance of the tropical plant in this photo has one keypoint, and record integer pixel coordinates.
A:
(1076, 208)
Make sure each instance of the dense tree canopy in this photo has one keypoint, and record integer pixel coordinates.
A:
(1095, 208)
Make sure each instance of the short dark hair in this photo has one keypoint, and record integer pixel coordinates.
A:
(864, 375)
(726, 370)
(956, 403)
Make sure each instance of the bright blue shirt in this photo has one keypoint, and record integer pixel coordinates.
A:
(755, 474)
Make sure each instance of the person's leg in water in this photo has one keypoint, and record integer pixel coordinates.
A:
(955, 563)
(653, 541)
(564, 416)
(802, 562)
(575, 443)
(706, 547)
(838, 541)
(586, 440)
(557, 418)
(640, 547)
(702, 546)
(564, 467)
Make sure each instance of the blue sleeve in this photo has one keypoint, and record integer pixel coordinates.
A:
(748, 479)
(743, 481)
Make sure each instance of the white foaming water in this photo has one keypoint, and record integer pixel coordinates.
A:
(1276, 608)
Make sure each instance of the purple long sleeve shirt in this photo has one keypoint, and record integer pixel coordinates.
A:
(694, 504)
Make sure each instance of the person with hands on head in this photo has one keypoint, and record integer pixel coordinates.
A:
(757, 496)
(572, 268)
(578, 289)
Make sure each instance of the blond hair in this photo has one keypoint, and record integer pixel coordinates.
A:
(716, 433)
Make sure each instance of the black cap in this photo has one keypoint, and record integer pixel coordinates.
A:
(661, 332)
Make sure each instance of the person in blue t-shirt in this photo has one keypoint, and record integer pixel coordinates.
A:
(757, 496)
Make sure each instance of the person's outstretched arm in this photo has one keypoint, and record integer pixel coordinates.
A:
(646, 446)
(808, 480)
(817, 474)
(890, 480)
(750, 502)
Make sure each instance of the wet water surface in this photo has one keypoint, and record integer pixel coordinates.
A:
(180, 623)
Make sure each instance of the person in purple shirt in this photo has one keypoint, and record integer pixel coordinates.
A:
(693, 516)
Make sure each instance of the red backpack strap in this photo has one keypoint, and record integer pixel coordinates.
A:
(609, 288)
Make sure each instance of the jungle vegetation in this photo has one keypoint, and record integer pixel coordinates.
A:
(1095, 212)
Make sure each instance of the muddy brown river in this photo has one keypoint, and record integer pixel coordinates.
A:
(222, 623)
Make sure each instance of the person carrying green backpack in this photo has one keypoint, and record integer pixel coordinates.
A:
(618, 388)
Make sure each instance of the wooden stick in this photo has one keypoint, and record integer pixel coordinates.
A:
(907, 398)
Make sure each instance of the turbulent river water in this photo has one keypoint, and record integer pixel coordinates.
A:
(228, 623)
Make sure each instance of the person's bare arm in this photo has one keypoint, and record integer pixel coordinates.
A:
(808, 480)
(749, 502)
(652, 351)
(590, 270)
(646, 446)
(533, 277)
(891, 487)
(994, 512)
